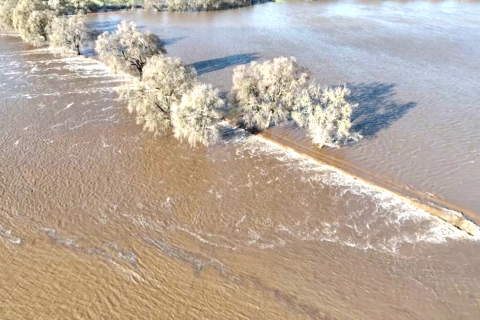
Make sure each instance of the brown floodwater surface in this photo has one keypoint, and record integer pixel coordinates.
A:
(412, 67)
(99, 220)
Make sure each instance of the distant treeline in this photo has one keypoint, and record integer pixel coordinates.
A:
(172, 5)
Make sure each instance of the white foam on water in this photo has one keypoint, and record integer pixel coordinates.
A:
(8, 235)
(67, 107)
(391, 213)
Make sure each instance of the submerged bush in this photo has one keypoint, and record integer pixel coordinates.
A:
(264, 92)
(127, 49)
(197, 116)
(31, 18)
(68, 33)
(325, 113)
(279, 89)
(6, 13)
(169, 97)
(165, 81)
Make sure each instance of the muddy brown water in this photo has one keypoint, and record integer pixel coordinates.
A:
(101, 220)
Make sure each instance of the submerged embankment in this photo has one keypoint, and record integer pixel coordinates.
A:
(444, 210)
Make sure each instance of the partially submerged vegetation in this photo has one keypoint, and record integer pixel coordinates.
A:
(279, 89)
(264, 93)
(166, 95)
(41, 22)
(127, 49)
(68, 33)
(165, 81)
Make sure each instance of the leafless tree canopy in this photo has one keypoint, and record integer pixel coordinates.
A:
(6, 13)
(170, 98)
(33, 18)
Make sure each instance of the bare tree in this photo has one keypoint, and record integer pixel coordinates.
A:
(264, 92)
(127, 49)
(68, 33)
(325, 113)
(165, 81)
(196, 118)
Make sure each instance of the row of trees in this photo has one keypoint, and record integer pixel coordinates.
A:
(60, 23)
(279, 89)
(175, 5)
(165, 93)
(167, 96)
(194, 5)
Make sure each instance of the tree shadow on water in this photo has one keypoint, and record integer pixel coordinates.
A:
(207, 66)
(376, 109)
(99, 27)
(170, 41)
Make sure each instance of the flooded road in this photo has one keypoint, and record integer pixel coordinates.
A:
(101, 220)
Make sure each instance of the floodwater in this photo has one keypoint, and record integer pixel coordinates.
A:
(101, 220)
(412, 67)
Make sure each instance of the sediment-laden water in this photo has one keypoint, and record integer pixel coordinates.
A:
(412, 67)
(101, 220)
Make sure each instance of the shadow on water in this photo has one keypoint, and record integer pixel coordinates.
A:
(170, 41)
(376, 109)
(100, 27)
(207, 66)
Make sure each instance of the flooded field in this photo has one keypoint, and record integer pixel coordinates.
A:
(101, 220)
(412, 67)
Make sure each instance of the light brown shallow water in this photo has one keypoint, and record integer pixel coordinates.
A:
(100, 220)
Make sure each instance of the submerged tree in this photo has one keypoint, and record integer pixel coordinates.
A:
(127, 49)
(269, 92)
(264, 92)
(325, 113)
(68, 33)
(165, 81)
(31, 19)
(169, 97)
(196, 118)
(6, 13)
